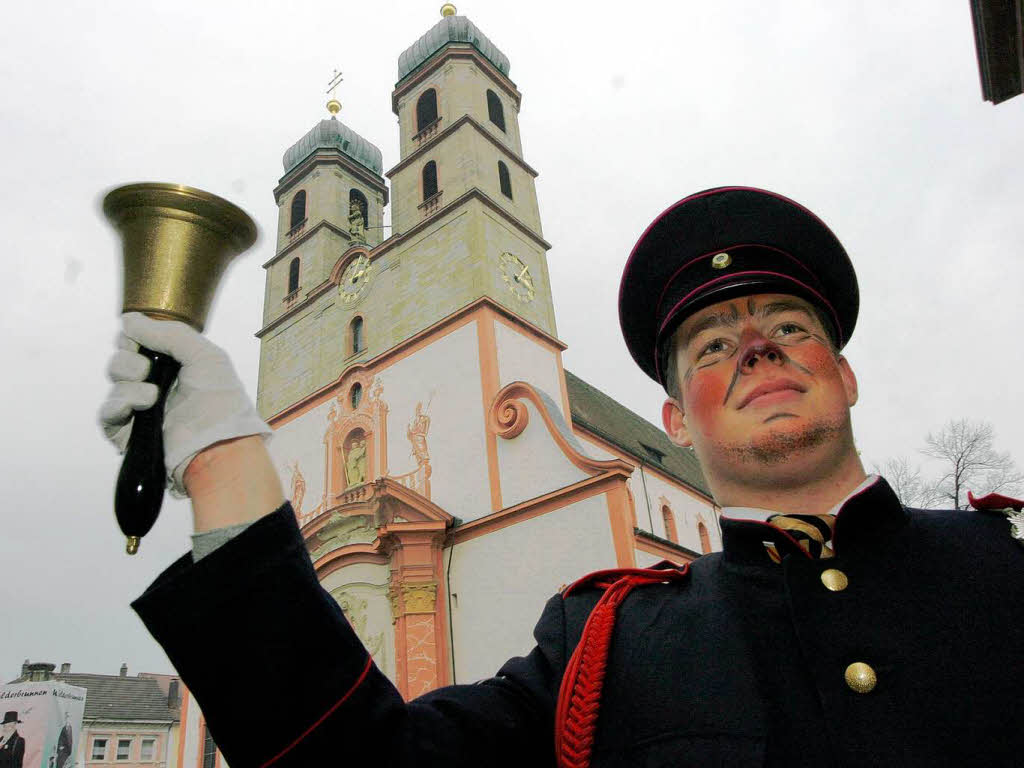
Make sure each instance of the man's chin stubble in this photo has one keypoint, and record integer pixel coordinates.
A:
(778, 446)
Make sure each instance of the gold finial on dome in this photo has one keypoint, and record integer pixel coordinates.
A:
(334, 106)
(448, 10)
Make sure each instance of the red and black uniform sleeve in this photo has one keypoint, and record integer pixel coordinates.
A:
(283, 680)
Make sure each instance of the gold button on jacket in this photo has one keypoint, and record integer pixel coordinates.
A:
(861, 677)
(834, 580)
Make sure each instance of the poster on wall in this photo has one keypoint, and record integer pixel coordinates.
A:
(39, 724)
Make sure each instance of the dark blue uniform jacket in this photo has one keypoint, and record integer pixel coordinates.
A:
(741, 662)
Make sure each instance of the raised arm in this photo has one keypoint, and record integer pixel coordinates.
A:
(278, 672)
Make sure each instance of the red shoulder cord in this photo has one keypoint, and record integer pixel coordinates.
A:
(579, 698)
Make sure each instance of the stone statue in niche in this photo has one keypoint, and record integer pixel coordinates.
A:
(298, 488)
(355, 463)
(356, 223)
(417, 433)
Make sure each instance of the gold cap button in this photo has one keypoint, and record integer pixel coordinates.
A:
(721, 260)
(834, 580)
(861, 677)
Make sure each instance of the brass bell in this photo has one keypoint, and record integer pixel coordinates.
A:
(177, 243)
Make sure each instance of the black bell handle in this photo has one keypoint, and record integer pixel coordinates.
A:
(143, 477)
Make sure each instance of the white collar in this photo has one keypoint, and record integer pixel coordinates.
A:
(762, 515)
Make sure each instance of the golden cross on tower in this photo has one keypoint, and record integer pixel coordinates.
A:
(334, 106)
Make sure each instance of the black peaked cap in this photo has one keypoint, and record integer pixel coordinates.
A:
(727, 242)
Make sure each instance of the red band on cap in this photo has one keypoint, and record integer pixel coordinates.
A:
(709, 254)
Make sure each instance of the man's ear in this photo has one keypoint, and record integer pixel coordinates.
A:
(674, 420)
(849, 381)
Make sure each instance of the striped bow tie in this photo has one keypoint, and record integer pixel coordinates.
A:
(812, 532)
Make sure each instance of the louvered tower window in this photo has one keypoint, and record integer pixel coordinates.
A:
(298, 208)
(426, 109)
(494, 110)
(293, 276)
(504, 181)
(429, 180)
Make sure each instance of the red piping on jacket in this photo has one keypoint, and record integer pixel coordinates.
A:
(338, 703)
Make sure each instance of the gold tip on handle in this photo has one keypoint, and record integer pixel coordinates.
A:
(132, 545)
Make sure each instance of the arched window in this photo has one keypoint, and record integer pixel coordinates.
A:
(356, 395)
(293, 276)
(298, 208)
(426, 109)
(358, 343)
(504, 181)
(355, 197)
(670, 524)
(429, 180)
(494, 109)
(705, 540)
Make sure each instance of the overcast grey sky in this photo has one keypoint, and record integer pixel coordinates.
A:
(868, 113)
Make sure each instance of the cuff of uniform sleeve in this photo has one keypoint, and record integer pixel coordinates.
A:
(207, 542)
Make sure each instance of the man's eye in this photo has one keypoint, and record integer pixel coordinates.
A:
(787, 329)
(711, 348)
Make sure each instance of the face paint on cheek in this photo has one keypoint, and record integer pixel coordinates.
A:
(702, 395)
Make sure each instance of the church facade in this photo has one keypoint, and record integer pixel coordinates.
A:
(448, 474)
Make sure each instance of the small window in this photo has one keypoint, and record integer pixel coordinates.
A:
(426, 109)
(209, 750)
(356, 395)
(357, 199)
(429, 180)
(494, 110)
(504, 181)
(148, 749)
(670, 524)
(358, 343)
(124, 749)
(293, 276)
(705, 540)
(99, 749)
(298, 209)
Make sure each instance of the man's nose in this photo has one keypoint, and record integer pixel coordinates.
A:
(761, 351)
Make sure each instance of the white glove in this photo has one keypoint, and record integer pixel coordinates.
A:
(206, 404)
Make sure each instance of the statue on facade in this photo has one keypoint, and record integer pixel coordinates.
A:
(356, 222)
(417, 433)
(298, 488)
(355, 463)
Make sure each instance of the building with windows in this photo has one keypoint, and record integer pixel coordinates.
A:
(129, 722)
(447, 472)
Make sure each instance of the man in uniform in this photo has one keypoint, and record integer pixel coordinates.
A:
(835, 629)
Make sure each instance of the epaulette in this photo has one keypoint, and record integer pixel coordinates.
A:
(1012, 508)
(579, 697)
(995, 502)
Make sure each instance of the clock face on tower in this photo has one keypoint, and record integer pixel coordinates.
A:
(355, 279)
(516, 274)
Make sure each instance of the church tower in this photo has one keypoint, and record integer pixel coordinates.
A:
(330, 211)
(462, 182)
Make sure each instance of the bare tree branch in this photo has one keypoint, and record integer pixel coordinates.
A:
(970, 463)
